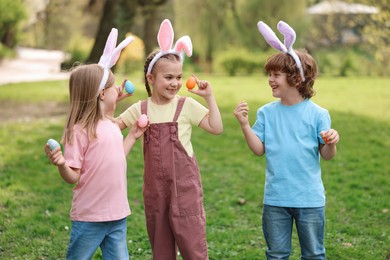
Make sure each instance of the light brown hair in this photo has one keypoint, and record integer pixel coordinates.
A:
(84, 109)
(169, 56)
(283, 62)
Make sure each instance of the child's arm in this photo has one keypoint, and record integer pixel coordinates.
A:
(134, 133)
(254, 142)
(70, 175)
(120, 123)
(213, 122)
(329, 149)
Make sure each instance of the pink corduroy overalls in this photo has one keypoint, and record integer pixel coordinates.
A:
(173, 194)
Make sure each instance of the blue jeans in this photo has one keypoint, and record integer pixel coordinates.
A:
(277, 228)
(86, 237)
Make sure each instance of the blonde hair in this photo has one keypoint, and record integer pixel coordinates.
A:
(84, 109)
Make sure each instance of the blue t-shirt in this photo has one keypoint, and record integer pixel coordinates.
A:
(291, 136)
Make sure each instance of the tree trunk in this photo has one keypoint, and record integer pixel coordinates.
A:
(150, 38)
(107, 22)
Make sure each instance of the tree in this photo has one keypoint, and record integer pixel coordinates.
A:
(150, 24)
(12, 12)
(121, 15)
(220, 24)
(376, 32)
(108, 20)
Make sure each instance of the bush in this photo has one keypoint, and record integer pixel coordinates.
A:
(78, 51)
(12, 12)
(345, 62)
(6, 52)
(236, 60)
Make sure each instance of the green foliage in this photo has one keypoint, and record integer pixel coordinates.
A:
(345, 62)
(239, 60)
(6, 52)
(12, 12)
(78, 50)
(376, 32)
(35, 202)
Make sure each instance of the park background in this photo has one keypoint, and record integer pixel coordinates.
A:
(352, 50)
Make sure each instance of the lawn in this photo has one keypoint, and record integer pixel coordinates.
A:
(35, 201)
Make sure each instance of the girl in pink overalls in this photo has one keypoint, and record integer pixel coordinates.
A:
(172, 190)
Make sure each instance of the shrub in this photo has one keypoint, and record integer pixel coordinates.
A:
(78, 51)
(6, 52)
(236, 60)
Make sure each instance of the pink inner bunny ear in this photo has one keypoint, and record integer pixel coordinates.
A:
(165, 35)
(288, 32)
(109, 47)
(270, 37)
(117, 52)
(184, 43)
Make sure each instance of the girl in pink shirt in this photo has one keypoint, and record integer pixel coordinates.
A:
(95, 160)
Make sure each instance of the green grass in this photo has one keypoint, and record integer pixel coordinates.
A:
(35, 202)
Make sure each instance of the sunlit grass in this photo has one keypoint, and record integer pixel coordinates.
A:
(35, 201)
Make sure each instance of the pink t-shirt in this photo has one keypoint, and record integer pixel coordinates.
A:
(101, 193)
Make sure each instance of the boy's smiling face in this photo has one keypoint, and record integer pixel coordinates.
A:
(282, 89)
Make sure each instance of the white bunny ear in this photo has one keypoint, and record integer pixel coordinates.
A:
(184, 44)
(289, 39)
(165, 40)
(165, 35)
(271, 37)
(109, 47)
(117, 51)
(111, 55)
(289, 34)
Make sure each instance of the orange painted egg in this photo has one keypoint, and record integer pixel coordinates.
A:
(191, 82)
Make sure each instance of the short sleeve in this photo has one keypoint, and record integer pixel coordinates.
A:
(196, 111)
(131, 114)
(74, 153)
(258, 127)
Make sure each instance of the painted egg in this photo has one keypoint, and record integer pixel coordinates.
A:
(143, 120)
(324, 138)
(53, 144)
(129, 87)
(191, 82)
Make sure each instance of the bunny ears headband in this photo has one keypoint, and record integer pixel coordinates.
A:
(111, 54)
(289, 39)
(165, 41)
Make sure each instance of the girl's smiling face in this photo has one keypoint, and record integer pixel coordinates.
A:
(166, 79)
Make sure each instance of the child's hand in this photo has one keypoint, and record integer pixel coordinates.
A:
(55, 156)
(138, 131)
(241, 112)
(204, 88)
(121, 94)
(330, 137)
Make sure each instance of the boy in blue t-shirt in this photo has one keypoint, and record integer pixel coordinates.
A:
(293, 132)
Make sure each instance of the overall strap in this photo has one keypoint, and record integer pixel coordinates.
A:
(179, 108)
(144, 107)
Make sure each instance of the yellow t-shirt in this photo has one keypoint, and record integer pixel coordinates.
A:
(191, 115)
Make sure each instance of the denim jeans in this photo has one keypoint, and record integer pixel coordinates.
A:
(277, 228)
(86, 237)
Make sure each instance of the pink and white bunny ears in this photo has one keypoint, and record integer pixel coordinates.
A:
(111, 54)
(289, 39)
(165, 41)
